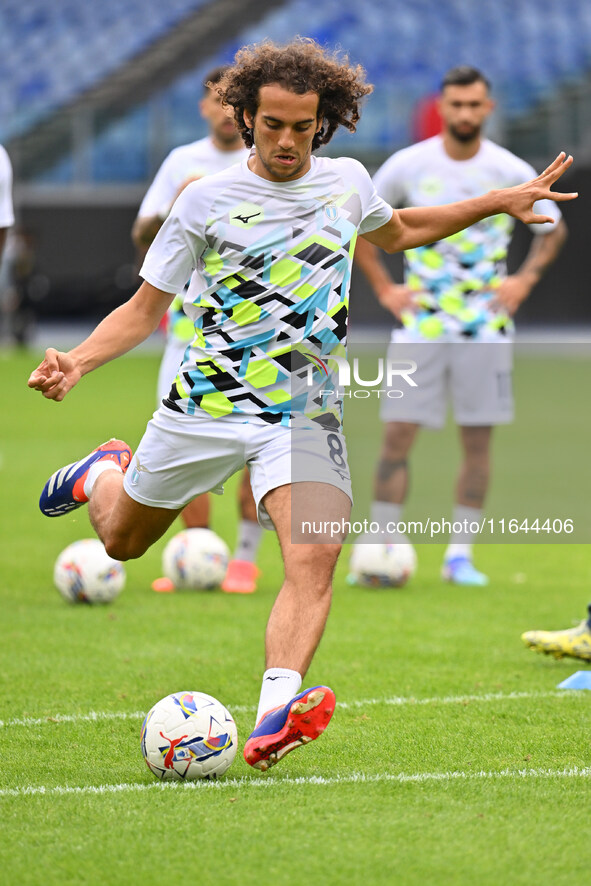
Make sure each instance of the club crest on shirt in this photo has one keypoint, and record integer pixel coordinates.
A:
(331, 211)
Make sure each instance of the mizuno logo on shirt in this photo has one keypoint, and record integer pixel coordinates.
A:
(245, 219)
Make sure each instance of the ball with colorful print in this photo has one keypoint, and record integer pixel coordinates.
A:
(377, 565)
(187, 736)
(84, 573)
(196, 558)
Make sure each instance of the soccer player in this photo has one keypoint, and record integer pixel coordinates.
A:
(6, 221)
(221, 148)
(455, 307)
(6, 208)
(271, 243)
(574, 642)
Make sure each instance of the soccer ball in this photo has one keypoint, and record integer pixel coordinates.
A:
(382, 565)
(84, 573)
(188, 735)
(196, 558)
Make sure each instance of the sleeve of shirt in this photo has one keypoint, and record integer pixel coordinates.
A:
(525, 172)
(179, 244)
(6, 207)
(161, 193)
(375, 212)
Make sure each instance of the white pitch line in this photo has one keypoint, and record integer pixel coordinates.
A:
(392, 701)
(91, 716)
(311, 780)
(456, 699)
(94, 717)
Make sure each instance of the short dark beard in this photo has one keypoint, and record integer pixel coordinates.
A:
(465, 137)
(229, 142)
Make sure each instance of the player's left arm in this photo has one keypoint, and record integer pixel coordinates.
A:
(418, 226)
(543, 251)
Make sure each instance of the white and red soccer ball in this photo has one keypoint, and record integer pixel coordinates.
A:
(188, 736)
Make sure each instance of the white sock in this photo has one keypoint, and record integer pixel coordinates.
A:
(95, 470)
(279, 686)
(249, 539)
(384, 512)
(460, 544)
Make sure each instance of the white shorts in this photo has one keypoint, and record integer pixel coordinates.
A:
(475, 375)
(181, 456)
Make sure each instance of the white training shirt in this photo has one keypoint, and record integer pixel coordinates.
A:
(6, 207)
(270, 291)
(455, 278)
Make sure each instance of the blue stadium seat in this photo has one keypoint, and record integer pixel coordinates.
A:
(50, 52)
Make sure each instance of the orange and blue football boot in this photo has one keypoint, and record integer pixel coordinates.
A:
(286, 728)
(64, 491)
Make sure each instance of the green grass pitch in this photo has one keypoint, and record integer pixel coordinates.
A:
(451, 757)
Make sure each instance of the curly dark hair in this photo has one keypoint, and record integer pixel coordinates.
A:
(300, 66)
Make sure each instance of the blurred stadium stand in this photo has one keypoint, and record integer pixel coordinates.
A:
(96, 94)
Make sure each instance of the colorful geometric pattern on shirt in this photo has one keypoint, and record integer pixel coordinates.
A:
(178, 325)
(456, 279)
(276, 276)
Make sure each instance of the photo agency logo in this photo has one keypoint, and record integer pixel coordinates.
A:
(370, 377)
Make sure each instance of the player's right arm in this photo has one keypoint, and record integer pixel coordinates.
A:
(145, 227)
(394, 297)
(154, 207)
(391, 183)
(123, 329)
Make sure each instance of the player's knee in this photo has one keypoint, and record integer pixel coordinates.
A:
(315, 561)
(124, 546)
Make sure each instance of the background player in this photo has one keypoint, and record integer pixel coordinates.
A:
(456, 294)
(221, 148)
(6, 208)
(6, 221)
(231, 402)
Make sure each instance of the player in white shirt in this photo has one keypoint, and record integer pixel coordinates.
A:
(455, 306)
(6, 207)
(6, 222)
(271, 242)
(221, 148)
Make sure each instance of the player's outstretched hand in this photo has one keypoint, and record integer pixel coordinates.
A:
(55, 376)
(519, 201)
